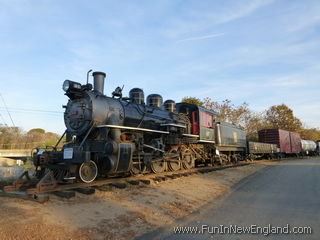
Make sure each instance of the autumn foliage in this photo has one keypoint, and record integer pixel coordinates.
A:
(16, 138)
(281, 116)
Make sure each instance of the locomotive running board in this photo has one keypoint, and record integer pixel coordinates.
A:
(133, 128)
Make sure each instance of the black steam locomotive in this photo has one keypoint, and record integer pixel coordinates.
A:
(112, 136)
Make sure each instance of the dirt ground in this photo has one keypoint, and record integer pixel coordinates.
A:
(116, 213)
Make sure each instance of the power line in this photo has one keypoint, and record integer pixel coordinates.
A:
(3, 119)
(34, 113)
(5, 105)
(31, 110)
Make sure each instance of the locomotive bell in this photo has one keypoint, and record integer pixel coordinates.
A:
(98, 81)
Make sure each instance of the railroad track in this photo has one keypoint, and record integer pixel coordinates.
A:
(39, 192)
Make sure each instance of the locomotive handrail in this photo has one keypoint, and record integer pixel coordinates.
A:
(133, 128)
(190, 135)
(206, 141)
(55, 146)
(85, 137)
(172, 125)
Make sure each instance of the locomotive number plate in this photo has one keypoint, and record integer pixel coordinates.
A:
(68, 153)
(40, 151)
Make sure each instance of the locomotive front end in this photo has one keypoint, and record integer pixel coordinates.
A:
(78, 115)
(85, 107)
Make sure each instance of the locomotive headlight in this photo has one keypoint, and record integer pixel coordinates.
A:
(66, 85)
(70, 85)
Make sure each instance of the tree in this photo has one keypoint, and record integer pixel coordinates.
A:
(310, 134)
(9, 136)
(36, 131)
(253, 123)
(35, 135)
(281, 116)
(228, 111)
(192, 100)
(50, 139)
(16, 138)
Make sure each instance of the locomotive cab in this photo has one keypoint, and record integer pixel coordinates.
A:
(202, 121)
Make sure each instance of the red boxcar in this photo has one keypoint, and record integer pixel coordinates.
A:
(287, 142)
(295, 142)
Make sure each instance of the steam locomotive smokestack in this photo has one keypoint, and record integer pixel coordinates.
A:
(98, 81)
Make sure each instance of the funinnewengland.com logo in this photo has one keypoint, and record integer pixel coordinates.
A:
(236, 229)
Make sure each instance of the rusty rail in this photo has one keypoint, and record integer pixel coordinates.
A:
(19, 182)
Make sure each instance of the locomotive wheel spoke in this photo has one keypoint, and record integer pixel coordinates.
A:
(173, 165)
(157, 166)
(88, 171)
(187, 159)
(138, 168)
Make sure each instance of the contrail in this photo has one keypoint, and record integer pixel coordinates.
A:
(202, 37)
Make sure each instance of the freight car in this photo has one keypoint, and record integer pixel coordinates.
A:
(308, 147)
(258, 150)
(289, 143)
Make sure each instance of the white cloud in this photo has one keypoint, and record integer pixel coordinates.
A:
(290, 81)
(302, 16)
(200, 18)
(284, 52)
(201, 37)
(239, 9)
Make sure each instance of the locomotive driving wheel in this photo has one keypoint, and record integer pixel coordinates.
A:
(173, 160)
(138, 168)
(158, 165)
(88, 171)
(188, 159)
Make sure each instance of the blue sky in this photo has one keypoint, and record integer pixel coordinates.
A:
(260, 52)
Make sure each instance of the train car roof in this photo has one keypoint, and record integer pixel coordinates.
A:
(229, 124)
(196, 107)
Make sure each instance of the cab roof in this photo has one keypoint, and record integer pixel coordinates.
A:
(195, 107)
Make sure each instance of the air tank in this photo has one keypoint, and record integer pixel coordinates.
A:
(170, 105)
(154, 100)
(136, 95)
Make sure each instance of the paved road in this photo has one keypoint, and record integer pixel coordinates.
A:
(288, 193)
